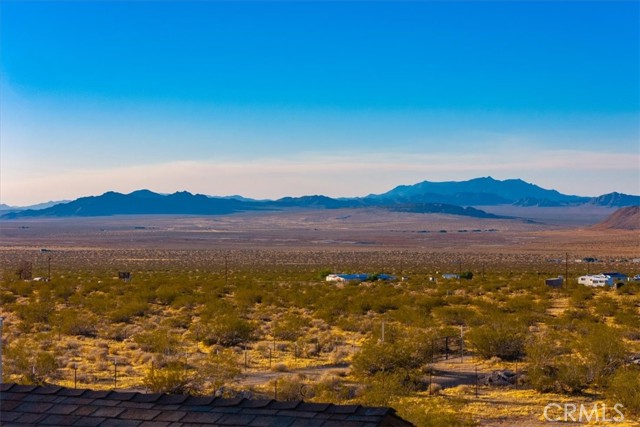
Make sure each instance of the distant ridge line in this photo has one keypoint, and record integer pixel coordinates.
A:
(451, 197)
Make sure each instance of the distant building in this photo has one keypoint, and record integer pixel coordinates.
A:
(450, 276)
(618, 278)
(360, 277)
(603, 279)
(596, 280)
(555, 282)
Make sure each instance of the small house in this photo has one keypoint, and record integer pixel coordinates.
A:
(555, 282)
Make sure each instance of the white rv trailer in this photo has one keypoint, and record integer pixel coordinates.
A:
(595, 280)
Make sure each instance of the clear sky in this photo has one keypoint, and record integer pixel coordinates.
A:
(269, 99)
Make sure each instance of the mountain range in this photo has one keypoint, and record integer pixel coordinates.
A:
(454, 197)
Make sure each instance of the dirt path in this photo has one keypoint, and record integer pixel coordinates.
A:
(454, 372)
(447, 373)
(558, 306)
(254, 378)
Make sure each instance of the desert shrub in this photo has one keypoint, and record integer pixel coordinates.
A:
(432, 413)
(455, 315)
(402, 350)
(603, 350)
(491, 286)
(289, 388)
(467, 275)
(220, 368)
(73, 322)
(19, 287)
(31, 365)
(62, 289)
(37, 309)
(383, 387)
(166, 294)
(504, 339)
(228, 330)
(175, 378)
(127, 310)
(580, 296)
(573, 319)
(291, 327)
(426, 304)
(159, 340)
(624, 388)
(329, 388)
(605, 306)
(248, 297)
(331, 307)
(550, 369)
(523, 304)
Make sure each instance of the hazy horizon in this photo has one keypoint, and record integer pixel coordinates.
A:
(273, 99)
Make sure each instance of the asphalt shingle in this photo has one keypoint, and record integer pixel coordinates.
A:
(32, 406)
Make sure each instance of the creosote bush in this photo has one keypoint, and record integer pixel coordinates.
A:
(505, 339)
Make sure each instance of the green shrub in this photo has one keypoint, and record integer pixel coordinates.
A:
(228, 329)
(31, 364)
(455, 315)
(603, 350)
(402, 350)
(160, 340)
(431, 413)
(550, 367)
(174, 378)
(291, 327)
(220, 368)
(624, 388)
(126, 311)
(504, 340)
(73, 322)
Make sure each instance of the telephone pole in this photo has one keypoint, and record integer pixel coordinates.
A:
(566, 268)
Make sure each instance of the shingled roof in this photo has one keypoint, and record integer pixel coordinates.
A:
(25, 405)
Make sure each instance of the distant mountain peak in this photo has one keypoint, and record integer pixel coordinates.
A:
(143, 193)
(477, 191)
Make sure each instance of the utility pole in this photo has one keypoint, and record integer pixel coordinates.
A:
(566, 268)
(382, 333)
(115, 373)
(49, 267)
(75, 375)
(461, 345)
(226, 269)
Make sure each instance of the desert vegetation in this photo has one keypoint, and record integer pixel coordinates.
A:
(266, 323)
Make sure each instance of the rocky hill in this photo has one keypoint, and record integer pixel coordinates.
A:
(623, 219)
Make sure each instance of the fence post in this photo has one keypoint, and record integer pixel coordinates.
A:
(446, 348)
(461, 344)
(476, 381)
(115, 373)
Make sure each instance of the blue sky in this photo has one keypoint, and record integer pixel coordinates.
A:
(268, 99)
